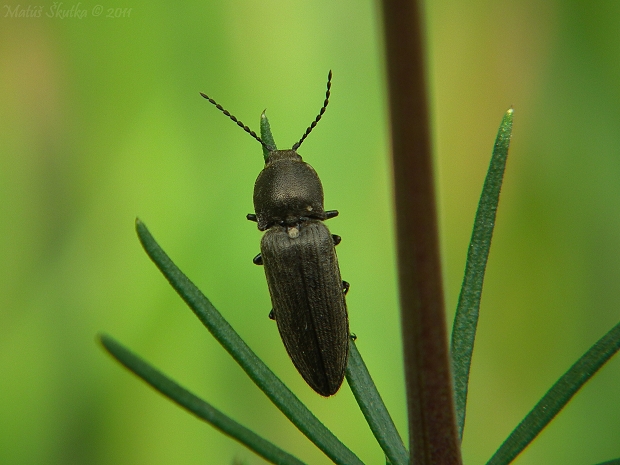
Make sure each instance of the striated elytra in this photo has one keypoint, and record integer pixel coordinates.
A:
(308, 301)
(299, 256)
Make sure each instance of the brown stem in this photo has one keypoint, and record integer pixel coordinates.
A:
(432, 424)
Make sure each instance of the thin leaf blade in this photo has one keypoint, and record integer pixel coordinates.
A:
(265, 134)
(262, 376)
(557, 397)
(466, 318)
(374, 409)
(195, 405)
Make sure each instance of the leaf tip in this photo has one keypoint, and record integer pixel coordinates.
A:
(506, 124)
(141, 229)
(103, 339)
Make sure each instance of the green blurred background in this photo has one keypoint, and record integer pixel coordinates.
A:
(102, 122)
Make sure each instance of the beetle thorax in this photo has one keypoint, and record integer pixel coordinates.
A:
(287, 191)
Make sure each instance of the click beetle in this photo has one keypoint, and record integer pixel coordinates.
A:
(299, 258)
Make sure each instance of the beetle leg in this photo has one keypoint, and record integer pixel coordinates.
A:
(353, 337)
(258, 260)
(272, 315)
(331, 214)
(345, 287)
(252, 217)
(336, 239)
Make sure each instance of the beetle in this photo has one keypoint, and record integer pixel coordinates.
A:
(299, 257)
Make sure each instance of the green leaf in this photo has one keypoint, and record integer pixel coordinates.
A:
(197, 406)
(374, 410)
(264, 378)
(557, 397)
(466, 318)
(266, 136)
(610, 462)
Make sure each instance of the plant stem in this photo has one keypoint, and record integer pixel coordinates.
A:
(433, 435)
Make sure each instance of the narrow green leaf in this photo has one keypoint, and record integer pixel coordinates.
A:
(264, 378)
(265, 134)
(197, 406)
(557, 397)
(610, 462)
(374, 410)
(466, 318)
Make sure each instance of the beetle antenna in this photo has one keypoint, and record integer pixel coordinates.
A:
(239, 123)
(318, 118)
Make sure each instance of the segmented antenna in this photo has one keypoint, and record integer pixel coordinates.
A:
(239, 123)
(318, 118)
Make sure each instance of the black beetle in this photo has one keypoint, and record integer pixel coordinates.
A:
(298, 252)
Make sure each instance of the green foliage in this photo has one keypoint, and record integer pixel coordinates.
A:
(358, 377)
(197, 406)
(466, 317)
(374, 410)
(557, 397)
(264, 378)
(466, 320)
(265, 134)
